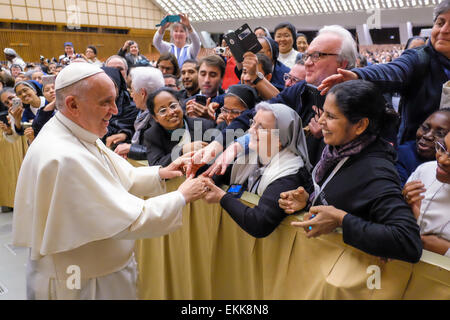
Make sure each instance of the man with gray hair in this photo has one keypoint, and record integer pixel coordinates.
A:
(144, 81)
(79, 206)
(332, 49)
(418, 75)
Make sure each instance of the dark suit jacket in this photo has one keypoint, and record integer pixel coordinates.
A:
(159, 143)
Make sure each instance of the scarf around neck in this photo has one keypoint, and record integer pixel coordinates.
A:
(332, 155)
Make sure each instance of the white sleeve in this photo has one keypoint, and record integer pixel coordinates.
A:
(160, 215)
(415, 175)
(160, 44)
(194, 48)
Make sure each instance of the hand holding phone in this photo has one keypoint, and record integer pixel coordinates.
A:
(16, 103)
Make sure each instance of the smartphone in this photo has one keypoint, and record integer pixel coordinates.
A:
(201, 99)
(241, 41)
(170, 18)
(236, 190)
(16, 103)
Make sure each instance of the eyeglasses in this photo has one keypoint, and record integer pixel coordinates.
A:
(293, 79)
(173, 106)
(315, 56)
(436, 133)
(440, 149)
(258, 126)
(232, 111)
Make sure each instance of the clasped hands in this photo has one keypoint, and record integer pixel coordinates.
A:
(192, 188)
(319, 220)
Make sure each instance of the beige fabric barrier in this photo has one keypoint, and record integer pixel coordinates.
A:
(11, 157)
(210, 257)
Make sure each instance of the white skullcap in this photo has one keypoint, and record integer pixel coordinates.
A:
(75, 72)
(9, 52)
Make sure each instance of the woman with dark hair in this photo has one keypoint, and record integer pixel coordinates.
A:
(356, 185)
(285, 36)
(302, 42)
(168, 64)
(413, 153)
(173, 134)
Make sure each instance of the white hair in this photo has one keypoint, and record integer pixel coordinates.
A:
(348, 50)
(148, 78)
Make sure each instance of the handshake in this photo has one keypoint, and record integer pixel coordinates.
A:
(192, 188)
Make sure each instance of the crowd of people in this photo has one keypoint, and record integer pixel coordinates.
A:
(309, 127)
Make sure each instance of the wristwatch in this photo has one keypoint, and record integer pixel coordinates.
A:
(259, 77)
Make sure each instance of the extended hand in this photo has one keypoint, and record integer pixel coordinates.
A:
(221, 163)
(123, 149)
(193, 188)
(341, 76)
(321, 220)
(115, 139)
(214, 193)
(293, 200)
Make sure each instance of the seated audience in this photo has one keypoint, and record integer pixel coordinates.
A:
(173, 134)
(179, 34)
(144, 81)
(428, 194)
(413, 153)
(277, 162)
(356, 184)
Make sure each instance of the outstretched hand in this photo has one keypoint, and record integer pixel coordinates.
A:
(293, 200)
(342, 76)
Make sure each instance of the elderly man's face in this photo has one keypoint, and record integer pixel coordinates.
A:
(7, 97)
(117, 63)
(96, 104)
(440, 34)
(326, 65)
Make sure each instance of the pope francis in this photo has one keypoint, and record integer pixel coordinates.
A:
(79, 206)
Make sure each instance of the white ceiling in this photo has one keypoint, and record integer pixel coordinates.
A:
(304, 14)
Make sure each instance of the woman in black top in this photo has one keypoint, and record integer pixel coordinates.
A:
(356, 184)
(278, 160)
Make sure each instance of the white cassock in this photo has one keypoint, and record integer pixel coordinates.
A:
(78, 207)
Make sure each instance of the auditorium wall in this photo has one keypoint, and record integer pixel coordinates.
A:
(131, 19)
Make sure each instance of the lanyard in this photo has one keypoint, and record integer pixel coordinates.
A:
(317, 188)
